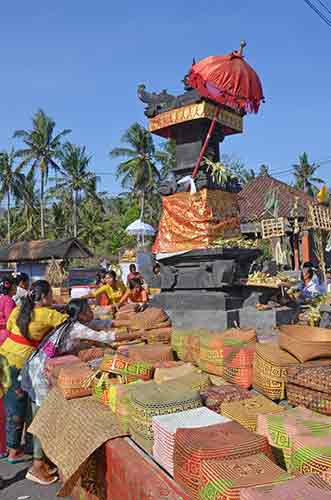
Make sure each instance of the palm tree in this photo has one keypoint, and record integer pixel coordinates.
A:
(29, 205)
(139, 171)
(11, 182)
(42, 150)
(304, 173)
(167, 157)
(92, 224)
(76, 177)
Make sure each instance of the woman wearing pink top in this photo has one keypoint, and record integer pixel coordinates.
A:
(7, 304)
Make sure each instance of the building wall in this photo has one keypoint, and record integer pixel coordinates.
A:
(35, 270)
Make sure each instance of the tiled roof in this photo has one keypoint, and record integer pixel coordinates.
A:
(252, 198)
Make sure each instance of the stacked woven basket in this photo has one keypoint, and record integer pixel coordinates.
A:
(300, 350)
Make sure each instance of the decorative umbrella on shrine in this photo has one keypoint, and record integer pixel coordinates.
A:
(228, 80)
(140, 229)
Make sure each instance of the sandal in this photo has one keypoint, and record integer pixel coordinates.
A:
(19, 460)
(30, 477)
(52, 470)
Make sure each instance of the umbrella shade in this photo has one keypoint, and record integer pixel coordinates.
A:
(138, 227)
(228, 80)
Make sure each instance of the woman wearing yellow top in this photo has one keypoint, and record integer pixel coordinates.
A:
(27, 326)
(113, 288)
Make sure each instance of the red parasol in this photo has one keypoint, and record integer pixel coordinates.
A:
(228, 80)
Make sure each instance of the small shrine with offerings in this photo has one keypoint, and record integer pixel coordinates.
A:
(202, 284)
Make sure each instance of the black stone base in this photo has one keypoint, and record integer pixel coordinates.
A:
(266, 321)
(196, 300)
(214, 321)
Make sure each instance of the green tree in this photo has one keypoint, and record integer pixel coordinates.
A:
(166, 156)
(42, 151)
(304, 174)
(92, 228)
(138, 172)
(11, 183)
(237, 167)
(76, 177)
(28, 208)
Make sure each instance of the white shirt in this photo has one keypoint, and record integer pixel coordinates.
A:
(20, 294)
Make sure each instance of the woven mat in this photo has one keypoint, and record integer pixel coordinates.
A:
(316, 378)
(280, 429)
(225, 479)
(165, 426)
(214, 396)
(246, 411)
(221, 441)
(70, 431)
(312, 454)
(270, 370)
(314, 400)
(310, 487)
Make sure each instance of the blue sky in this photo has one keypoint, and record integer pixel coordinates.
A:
(82, 61)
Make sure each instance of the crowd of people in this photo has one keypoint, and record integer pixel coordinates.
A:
(32, 330)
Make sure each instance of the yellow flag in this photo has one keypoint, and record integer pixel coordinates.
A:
(323, 195)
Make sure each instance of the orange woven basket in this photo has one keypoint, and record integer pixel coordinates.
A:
(305, 342)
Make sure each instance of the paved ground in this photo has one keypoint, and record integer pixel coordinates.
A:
(16, 486)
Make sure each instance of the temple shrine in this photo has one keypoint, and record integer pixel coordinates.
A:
(202, 285)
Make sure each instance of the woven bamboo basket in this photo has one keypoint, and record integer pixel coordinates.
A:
(270, 370)
(220, 442)
(154, 399)
(312, 454)
(225, 478)
(305, 342)
(128, 369)
(280, 429)
(246, 411)
(309, 487)
(72, 380)
(314, 400)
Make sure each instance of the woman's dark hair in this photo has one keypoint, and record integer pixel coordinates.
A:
(100, 276)
(132, 268)
(76, 307)
(308, 265)
(6, 284)
(39, 289)
(112, 274)
(134, 282)
(309, 272)
(21, 277)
